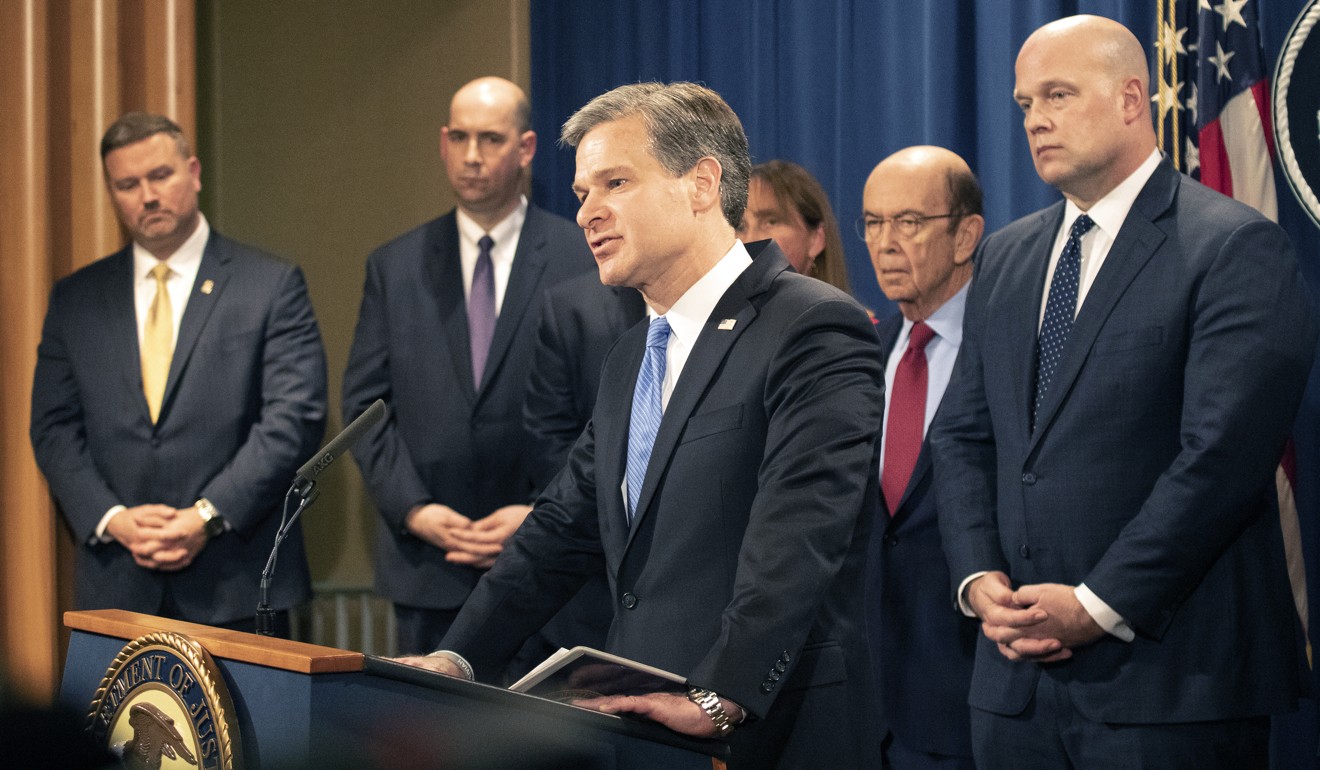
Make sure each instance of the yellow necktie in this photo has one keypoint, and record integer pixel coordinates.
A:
(158, 342)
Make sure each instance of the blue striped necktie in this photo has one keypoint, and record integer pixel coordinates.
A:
(647, 409)
(1060, 308)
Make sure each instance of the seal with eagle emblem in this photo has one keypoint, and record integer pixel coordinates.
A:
(164, 704)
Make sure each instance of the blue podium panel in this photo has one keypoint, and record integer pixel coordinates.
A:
(302, 706)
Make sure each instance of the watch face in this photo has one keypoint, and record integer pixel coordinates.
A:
(214, 526)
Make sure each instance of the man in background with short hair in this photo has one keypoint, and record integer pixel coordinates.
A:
(445, 336)
(180, 383)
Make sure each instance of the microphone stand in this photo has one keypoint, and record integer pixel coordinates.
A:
(306, 493)
(304, 489)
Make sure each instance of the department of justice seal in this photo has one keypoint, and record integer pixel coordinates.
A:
(1297, 109)
(163, 703)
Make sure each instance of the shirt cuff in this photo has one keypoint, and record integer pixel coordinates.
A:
(962, 594)
(1103, 614)
(101, 536)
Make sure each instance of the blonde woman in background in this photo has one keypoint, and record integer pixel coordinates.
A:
(786, 203)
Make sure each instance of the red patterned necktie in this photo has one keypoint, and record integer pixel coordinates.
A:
(907, 417)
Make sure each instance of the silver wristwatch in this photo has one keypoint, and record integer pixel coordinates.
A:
(212, 522)
(710, 703)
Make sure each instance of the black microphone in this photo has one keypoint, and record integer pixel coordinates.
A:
(304, 487)
(306, 478)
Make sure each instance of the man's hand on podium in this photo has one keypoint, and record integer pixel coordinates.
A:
(673, 710)
(441, 662)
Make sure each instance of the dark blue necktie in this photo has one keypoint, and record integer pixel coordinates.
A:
(481, 309)
(647, 409)
(1060, 308)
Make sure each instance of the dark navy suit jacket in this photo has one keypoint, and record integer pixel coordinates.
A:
(445, 441)
(743, 567)
(1149, 476)
(921, 646)
(244, 407)
(580, 321)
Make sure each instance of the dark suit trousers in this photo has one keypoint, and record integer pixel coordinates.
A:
(1051, 734)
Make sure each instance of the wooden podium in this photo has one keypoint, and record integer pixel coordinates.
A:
(304, 706)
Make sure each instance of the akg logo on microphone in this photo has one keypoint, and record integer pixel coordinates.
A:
(323, 463)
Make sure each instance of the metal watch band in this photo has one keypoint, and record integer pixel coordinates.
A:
(212, 522)
(710, 703)
(457, 660)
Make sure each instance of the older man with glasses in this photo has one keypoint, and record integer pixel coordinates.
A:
(921, 222)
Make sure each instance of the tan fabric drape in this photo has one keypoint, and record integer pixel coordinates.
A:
(67, 70)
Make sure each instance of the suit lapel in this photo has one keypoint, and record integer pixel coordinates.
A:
(615, 401)
(1024, 327)
(524, 282)
(711, 348)
(120, 312)
(889, 331)
(444, 270)
(209, 286)
(1136, 243)
(919, 472)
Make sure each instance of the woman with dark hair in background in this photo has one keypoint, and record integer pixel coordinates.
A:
(786, 203)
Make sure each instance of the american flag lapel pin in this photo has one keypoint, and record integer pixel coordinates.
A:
(207, 286)
(727, 324)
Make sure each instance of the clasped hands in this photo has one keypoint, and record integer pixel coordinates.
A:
(1041, 622)
(160, 537)
(474, 543)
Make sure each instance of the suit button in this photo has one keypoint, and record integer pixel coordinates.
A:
(1025, 551)
(773, 676)
(155, 441)
(784, 658)
(780, 667)
(629, 601)
(891, 540)
(767, 688)
(1028, 478)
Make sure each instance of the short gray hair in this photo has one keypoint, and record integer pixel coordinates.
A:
(685, 122)
(133, 127)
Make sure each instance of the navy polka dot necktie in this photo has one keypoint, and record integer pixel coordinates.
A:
(1060, 308)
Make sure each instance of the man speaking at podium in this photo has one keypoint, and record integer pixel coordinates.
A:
(721, 482)
(180, 382)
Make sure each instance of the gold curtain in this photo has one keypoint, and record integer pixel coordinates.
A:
(67, 70)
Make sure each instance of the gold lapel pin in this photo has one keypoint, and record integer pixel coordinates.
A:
(727, 324)
(207, 286)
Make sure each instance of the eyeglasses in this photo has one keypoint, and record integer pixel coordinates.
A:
(905, 226)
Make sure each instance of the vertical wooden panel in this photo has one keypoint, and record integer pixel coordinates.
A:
(67, 70)
(27, 528)
(158, 59)
(90, 103)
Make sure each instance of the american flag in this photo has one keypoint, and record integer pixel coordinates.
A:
(1213, 98)
(1212, 116)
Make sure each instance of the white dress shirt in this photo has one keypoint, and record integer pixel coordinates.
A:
(688, 316)
(184, 264)
(1108, 213)
(505, 234)
(941, 351)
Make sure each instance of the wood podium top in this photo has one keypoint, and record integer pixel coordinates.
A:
(221, 643)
